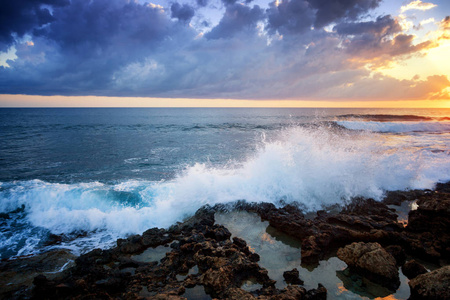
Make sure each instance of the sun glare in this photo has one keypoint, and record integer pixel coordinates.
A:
(435, 62)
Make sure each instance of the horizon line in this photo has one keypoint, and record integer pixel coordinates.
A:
(58, 101)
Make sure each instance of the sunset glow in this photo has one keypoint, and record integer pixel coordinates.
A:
(226, 53)
(96, 101)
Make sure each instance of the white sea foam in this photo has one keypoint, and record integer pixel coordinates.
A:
(311, 167)
(397, 127)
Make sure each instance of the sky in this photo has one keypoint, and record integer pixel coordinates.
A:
(313, 53)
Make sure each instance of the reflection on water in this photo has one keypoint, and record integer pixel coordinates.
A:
(280, 253)
(152, 254)
(192, 271)
(251, 285)
(250, 228)
(196, 293)
(403, 210)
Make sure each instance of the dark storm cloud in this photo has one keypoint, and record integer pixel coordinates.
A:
(329, 11)
(88, 41)
(229, 2)
(237, 18)
(202, 3)
(374, 40)
(20, 17)
(92, 27)
(382, 26)
(298, 16)
(126, 48)
(294, 16)
(183, 12)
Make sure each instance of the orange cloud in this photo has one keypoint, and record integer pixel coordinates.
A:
(445, 27)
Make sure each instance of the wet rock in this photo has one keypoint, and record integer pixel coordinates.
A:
(412, 269)
(18, 273)
(433, 285)
(54, 239)
(369, 207)
(429, 227)
(317, 294)
(362, 220)
(240, 242)
(398, 253)
(254, 257)
(223, 265)
(371, 261)
(238, 294)
(155, 237)
(292, 277)
(290, 292)
(442, 187)
(132, 244)
(219, 234)
(397, 197)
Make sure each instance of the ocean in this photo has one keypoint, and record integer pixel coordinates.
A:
(87, 176)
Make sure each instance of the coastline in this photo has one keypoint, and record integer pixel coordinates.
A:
(199, 259)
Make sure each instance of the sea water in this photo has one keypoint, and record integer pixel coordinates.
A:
(81, 178)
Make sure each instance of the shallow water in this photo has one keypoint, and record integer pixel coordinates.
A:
(152, 254)
(280, 253)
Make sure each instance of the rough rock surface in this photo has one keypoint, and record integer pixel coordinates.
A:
(413, 269)
(16, 275)
(428, 226)
(292, 277)
(427, 235)
(221, 266)
(372, 261)
(431, 286)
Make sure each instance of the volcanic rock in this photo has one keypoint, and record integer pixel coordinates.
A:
(292, 277)
(412, 269)
(18, 274)
(431, 286)
(371, 261)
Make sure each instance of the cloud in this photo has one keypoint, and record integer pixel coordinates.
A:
(21, 17)
(290, 17)
(331, 11)
(378, 42)
(381, 27)
(183, 12)
(445, 23)
(417, 5)
(299, 16)
(127, 48)
(237, 18)
(445, 28)
(433, 88)
(202, 3)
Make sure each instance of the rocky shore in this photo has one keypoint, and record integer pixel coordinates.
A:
(200, 259)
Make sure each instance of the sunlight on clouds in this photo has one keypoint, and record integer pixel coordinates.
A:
(136, 73)
(404, 22)
(434, 61)
(417, 5)
(156, 6)
(8, 55)
(427, 21)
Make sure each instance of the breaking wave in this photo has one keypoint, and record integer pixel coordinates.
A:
(312, 167)
(397, 127)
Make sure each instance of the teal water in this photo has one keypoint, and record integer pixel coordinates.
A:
(81, 178)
